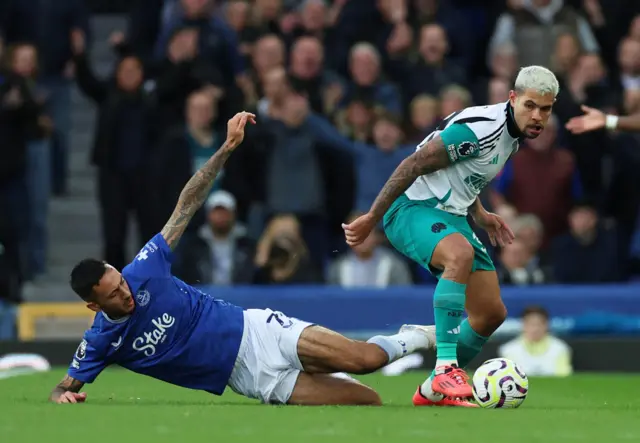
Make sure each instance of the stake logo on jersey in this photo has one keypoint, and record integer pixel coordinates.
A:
(478, 140)
(176, 333)
(151, 339)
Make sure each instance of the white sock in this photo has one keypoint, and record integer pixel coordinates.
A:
(401, 344)
(427, 392)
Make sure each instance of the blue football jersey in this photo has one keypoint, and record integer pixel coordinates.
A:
(176, 333)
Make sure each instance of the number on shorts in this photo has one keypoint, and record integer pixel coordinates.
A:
(282, 319)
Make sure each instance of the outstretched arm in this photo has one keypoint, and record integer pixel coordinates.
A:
(594, 119)
(197, 188)
(67, 391)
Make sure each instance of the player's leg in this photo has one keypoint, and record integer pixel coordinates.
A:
(485, 309)
(332, 389)
(454, 256)
(486, 312)
(431, 238)
(321, 350)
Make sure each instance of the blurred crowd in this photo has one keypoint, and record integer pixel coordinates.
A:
(343, 91)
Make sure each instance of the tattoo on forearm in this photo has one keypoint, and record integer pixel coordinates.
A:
(193, 196)
(67, 384)
(429, 159)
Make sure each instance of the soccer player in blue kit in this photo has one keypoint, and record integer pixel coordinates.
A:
(154, 324)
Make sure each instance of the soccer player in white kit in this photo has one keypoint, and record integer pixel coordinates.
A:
(424, 205)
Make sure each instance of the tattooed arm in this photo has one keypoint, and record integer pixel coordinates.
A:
(197, 188)
(67, 391)
(430, 158)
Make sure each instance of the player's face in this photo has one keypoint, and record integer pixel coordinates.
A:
(112, 295)
(531, 111)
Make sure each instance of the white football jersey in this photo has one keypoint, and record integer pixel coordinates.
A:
(456, 187)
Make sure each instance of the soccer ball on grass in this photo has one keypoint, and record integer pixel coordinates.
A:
(499, 383)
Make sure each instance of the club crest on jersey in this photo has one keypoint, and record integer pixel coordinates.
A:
(81, 352)
(143, 297)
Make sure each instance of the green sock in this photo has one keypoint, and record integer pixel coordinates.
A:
(469, 344)
(448, 306)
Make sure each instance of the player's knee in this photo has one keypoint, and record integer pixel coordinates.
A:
(458, 254)
(369, 397)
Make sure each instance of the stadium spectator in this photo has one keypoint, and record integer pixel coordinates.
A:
(518, 266)
(433, 71)
(19, 113)
(124, 144)
(356, 120)
(541, 179)
(453, 98)
(23, 63)
(374, 163)
(497, 91)
(48, 26)
(536, 351)
(308, 76)
(219, 253)
(365, 66)
(182, 71)
(541, 21)
(185, 148)
(276, 91)
(424, 114)
(530, 231)
(369, 265)
(268, 54)
(566, 52)
(588, 253)
(629, 61)
(282, 256)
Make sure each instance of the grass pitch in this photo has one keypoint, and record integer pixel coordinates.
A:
(123, 407)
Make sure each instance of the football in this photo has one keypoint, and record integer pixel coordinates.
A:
(500, 383)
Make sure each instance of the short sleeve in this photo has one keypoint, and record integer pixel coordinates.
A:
(88, 362)
(153, 260)
(460, 142)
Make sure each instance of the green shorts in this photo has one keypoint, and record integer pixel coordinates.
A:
(415, 227)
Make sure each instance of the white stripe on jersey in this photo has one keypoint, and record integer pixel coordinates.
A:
(464, 180)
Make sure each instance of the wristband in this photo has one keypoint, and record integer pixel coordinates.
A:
(611, 123)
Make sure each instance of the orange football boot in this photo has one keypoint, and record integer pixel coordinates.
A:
(451, 381)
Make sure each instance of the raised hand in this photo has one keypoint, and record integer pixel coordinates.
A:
(592, 120)
(235, 128)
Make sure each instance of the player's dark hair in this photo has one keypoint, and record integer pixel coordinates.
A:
(537, 310)
(85, 275)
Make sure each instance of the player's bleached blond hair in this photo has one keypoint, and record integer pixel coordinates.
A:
(537, 78)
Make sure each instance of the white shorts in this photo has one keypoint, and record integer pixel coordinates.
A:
(268, 366)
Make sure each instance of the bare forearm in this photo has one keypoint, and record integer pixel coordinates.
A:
(630, 123)
(476, 207)
(193, 196)
(428, 159)
(69, 384)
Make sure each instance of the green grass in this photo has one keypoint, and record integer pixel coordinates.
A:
(123, 407)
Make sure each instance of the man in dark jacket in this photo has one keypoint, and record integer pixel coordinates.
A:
(123, 146)
(220, 253)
